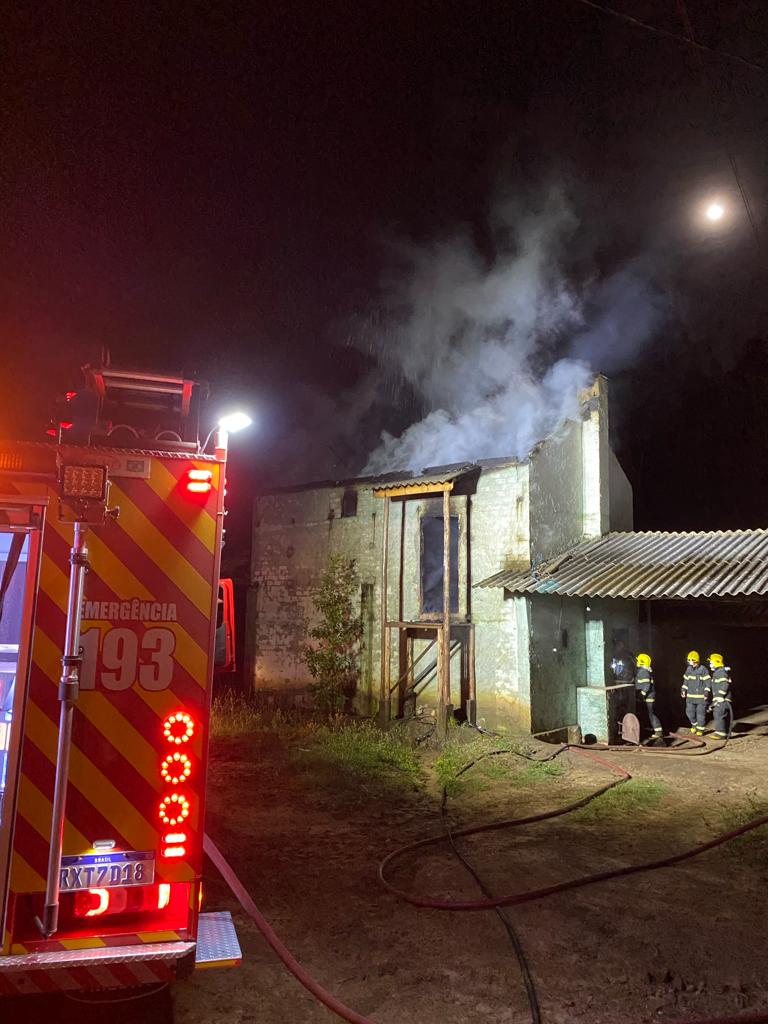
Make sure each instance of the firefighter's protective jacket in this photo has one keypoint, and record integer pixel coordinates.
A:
(697, 683)
(721, 685)
(644, 684)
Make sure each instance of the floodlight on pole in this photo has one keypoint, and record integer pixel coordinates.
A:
(235, 421)
(715, 211)
(228, 424)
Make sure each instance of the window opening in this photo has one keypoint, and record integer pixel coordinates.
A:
(349, 503)
(432, 565)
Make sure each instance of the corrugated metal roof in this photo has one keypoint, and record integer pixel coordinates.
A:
(650, 566)
(438, 480)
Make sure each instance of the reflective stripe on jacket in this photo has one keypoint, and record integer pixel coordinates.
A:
(697, 683)
(721, 684)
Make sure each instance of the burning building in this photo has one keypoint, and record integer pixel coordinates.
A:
(529, 661)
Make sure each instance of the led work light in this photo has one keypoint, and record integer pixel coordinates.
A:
(85, 483)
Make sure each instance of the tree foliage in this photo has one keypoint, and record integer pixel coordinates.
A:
(333, 655)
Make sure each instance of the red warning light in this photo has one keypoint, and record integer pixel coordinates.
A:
(176, 768)
(174, 851)
(174, 808)
(175, 837)
(70, 395)
(175, 847)
(199, 481)
(179, 728)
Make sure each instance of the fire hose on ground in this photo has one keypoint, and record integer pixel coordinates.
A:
(488, 903)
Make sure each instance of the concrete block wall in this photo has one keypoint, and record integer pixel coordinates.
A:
(294, 534)
(500, 539)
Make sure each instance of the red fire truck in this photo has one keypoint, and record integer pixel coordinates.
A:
(110, 541)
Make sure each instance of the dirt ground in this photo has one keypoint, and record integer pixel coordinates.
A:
(686, 943)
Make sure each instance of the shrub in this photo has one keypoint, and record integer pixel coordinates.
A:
(333, 657)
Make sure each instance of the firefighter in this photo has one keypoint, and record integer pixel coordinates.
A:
(722, 703)
(646, 691)
(697, 692)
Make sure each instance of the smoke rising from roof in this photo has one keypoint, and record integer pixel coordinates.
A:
(497, 349)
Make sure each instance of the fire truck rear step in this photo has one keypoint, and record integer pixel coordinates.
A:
(217, 944)
(92, 969)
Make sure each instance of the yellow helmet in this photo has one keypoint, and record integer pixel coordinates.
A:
(643, 661)
(693, 656)
(716, 660)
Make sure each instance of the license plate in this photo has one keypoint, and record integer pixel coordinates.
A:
(106, 870)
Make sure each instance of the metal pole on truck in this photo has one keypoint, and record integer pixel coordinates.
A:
(69, 687)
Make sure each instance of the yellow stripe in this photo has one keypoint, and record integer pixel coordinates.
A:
(36, 809)
(98, 789)
(121, 580)
(54, 582)
(165, 555)
(159, 936)
(91, 942)
(216, 963)
(104, 716)
(24, 878)
(198, 521)
(122, 735)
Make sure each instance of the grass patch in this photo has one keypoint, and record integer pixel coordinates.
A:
(233, 714)
(752, 847)
(630, 798)
(537, 771)
(357, 754)
(238, 715)
(462, 761)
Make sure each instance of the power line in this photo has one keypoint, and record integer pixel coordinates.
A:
(673, 35)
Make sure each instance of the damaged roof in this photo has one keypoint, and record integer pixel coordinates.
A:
(650, 566)
(436, 481)
(402, 477)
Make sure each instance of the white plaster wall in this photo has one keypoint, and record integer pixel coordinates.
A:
(621, 500)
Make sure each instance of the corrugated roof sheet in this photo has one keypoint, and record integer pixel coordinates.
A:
(650, 566)
(434, 479)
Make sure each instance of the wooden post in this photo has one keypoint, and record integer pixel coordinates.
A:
(472, 696)
(384, 697)
(409, 700)
(444, 708)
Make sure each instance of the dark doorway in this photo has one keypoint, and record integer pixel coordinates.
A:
(432, 565)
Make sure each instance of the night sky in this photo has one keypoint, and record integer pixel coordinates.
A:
(214, 188)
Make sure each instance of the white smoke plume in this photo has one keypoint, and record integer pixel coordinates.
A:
(497, 350)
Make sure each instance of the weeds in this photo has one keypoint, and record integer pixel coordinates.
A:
(630, 798)
(346, 754)
(237, 715)
(232, 714)
(752, 846)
